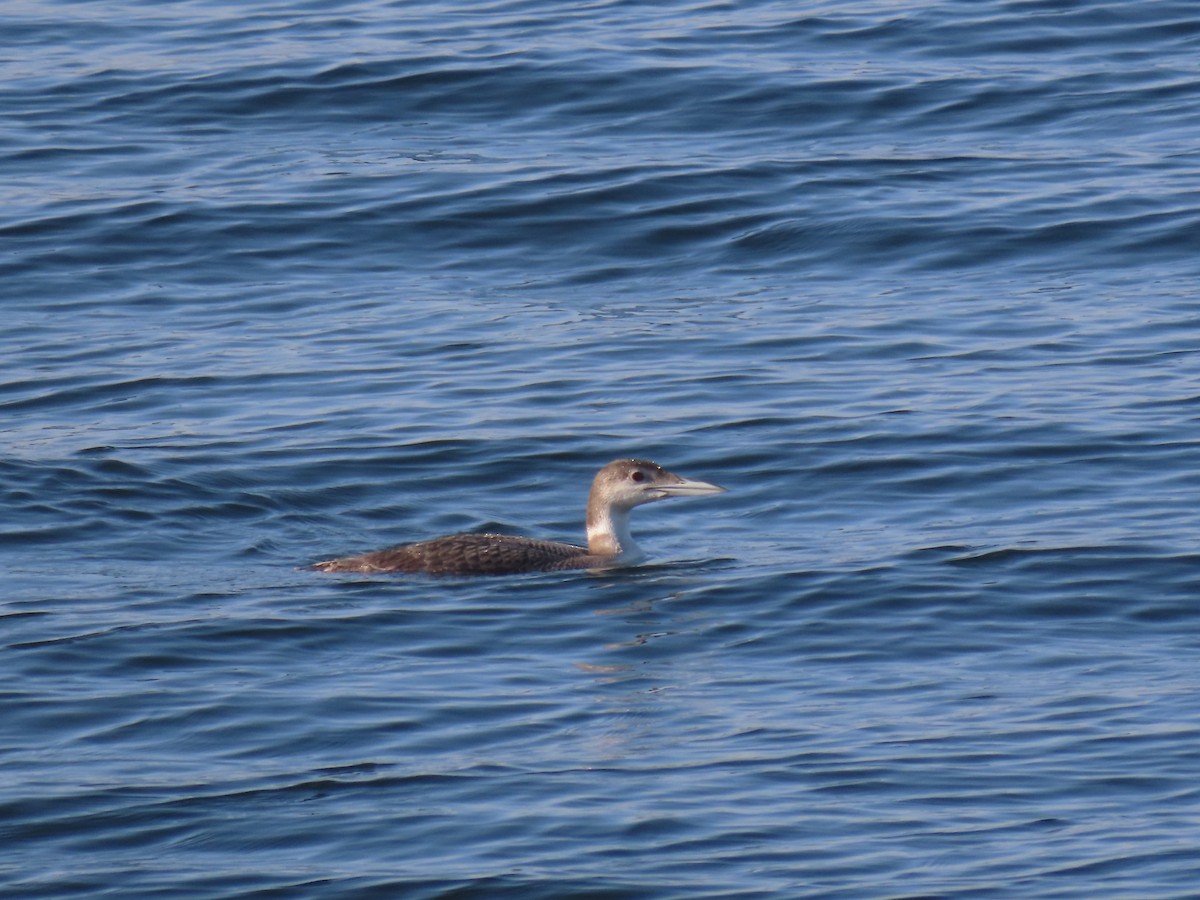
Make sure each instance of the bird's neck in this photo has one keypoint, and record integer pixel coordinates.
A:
(608, 533)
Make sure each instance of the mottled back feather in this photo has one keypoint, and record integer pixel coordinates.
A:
(469, 554)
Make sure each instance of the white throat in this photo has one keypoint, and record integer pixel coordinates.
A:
(608, 534)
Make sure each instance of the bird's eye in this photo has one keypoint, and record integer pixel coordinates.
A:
(638, 476)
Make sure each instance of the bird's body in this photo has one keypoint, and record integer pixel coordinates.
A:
(617, 489)
(475, 554)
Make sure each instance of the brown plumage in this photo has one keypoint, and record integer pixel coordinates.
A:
(477, 554)
(616, 489)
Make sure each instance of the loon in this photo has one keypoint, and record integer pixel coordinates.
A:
(617, 489)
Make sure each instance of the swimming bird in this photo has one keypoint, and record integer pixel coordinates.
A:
(616, 490)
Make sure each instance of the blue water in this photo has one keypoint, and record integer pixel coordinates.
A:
(918, 282)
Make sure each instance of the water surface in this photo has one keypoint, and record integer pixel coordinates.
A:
(915, 281)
